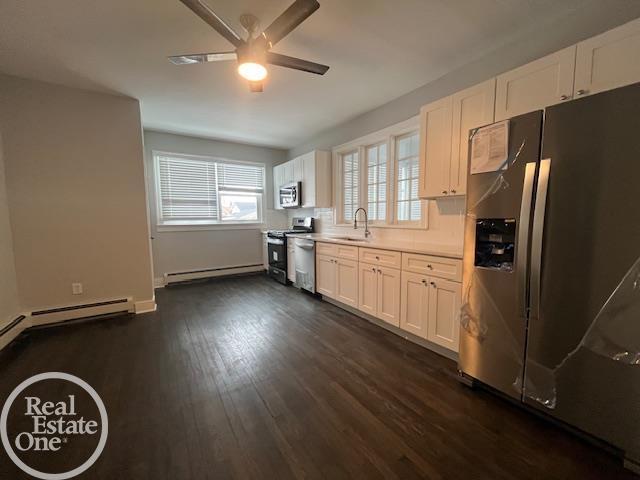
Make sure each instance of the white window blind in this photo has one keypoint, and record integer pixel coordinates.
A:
(377, 181)
(350, 181)
(408, 169)
(196, 190)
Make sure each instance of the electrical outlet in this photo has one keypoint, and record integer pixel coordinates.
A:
(76, 288)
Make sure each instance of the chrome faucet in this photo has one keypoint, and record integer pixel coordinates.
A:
(367, 233)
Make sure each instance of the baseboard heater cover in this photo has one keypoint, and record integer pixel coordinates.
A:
(176, 277)
(14, 323)
(73, 312)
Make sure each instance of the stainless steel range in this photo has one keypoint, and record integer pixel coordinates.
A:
(277, 247)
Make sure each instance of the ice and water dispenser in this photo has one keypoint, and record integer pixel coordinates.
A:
(495, 243)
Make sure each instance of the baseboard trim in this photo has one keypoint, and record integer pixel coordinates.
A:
(13, 329)
(178, 277)
(145, 306)
(73, 312)
(396, 330)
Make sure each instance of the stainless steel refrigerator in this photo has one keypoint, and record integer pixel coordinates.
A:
(551, 312)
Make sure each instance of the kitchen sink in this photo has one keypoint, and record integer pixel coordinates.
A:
(351, 239)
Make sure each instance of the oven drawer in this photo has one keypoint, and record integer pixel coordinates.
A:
(384, 258)
(448, 268)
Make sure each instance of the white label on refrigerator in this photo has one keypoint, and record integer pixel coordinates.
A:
(490, 148)
(275, 256)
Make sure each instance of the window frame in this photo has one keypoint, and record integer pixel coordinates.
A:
(387, 135)
(396, 201)
(180, 225)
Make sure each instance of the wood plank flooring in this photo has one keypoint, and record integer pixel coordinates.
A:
(245, 378)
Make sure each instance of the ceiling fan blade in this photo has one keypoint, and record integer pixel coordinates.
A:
(256, 86)
(296, 63)
(202, 58)
(205, 13)
(293, 16)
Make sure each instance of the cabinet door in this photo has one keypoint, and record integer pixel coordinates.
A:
(414, 304)
(309, 180)
(291, 263)
(298, 169)
(326, 276)
(543, 82)
(367, 288)
(435, 148)
(444, 313)
(389, 295)
(278, 172)
(472, 108)
(347, 282)
(288, 172)
(609, 60)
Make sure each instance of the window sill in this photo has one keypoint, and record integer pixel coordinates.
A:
(401, 227)
(161, 228)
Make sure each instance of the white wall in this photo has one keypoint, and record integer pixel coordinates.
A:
(9, 302)
(180, 251)
(76, 190)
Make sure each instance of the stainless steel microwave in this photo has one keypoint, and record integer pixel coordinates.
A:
(291, 195)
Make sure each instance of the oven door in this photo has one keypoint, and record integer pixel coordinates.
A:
(277, 250)
(290, 195)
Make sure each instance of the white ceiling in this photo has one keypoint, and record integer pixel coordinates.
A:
(377, 50)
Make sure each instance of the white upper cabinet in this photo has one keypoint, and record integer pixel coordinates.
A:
(435, 148)
(313, 169)
(536, 85)
(609, 60)
(444, 128)
(472, 108)
(278, 181)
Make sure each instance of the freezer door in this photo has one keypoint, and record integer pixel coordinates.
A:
(582, 362)
(495, 266)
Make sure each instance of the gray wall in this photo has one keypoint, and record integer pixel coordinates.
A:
(595, 17)
(76, 192)
(190, 249)
(9, 301)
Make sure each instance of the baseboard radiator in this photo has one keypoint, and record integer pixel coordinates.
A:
(74, 312)
(179, 277)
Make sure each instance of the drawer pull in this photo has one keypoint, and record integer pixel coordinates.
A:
(433, 284)
(430, 267)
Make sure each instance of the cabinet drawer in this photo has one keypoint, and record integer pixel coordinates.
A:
(448, 268)
(347, 252)
(326, 249)
(385, 258)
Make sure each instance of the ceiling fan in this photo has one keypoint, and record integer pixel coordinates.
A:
(255, 52)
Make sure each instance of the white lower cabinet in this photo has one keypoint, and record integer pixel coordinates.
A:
(346, 290)
(379, 292)
(443, 325)
(414, 314)
(326, 275)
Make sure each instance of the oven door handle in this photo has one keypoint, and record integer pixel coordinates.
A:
(275, 241)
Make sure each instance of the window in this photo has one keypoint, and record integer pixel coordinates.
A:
(409, 207)
(388, 187)
(377, 182)
(350, 184)
(202, 191)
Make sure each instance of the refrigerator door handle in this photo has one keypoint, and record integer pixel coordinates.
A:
(538, 234)
(523, 238)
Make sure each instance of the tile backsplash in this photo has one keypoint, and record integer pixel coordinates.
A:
(445, 225)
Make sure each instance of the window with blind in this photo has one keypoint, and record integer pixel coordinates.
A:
(377, 182)
(409, 207)
(350, 184)
(198, 190)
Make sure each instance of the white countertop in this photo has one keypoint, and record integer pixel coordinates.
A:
(410, 247)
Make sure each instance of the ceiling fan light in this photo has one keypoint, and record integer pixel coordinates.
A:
(254, 72)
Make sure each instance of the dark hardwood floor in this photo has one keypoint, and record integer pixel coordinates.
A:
(245, 378)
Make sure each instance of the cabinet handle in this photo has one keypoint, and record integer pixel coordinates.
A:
(582, 92)
(430, 267)
(433, 284)
(565, 97)
(379, 271)
(453, 191)
(377, 257)
(373, 270)
(445, 192)
(424, 282)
